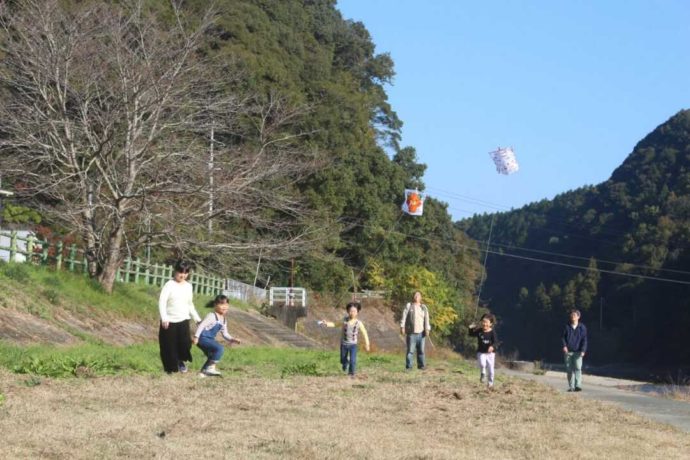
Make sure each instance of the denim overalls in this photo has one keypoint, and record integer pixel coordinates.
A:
(207, 342)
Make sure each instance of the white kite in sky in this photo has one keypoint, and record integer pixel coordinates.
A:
(505, 160)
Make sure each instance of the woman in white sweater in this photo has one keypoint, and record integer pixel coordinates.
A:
(176, 308)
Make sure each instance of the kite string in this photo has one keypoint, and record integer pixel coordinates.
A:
(486, 256)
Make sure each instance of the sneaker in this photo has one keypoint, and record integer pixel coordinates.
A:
(577, 389)
(570, 390)
(182, 367)
(202, 375)
(482, 377)
(211, 370)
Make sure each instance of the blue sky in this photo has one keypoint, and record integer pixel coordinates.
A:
(572, 86)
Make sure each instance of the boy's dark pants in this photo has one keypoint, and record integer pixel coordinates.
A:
(175, 344)
(349, 365)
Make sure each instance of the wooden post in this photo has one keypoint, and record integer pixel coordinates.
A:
(72, 256)
(13, 245)
(137, 269)
(58, 255)
(44, 252)
(30, 242)
(128, 268)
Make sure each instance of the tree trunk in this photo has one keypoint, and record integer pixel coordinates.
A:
(113, 259)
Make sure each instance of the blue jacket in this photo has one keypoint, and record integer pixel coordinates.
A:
(575, 339)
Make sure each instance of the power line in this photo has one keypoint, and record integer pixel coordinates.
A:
(613, 262)
(504, 209)
(521, 248)
(633, 275)
(550, 262)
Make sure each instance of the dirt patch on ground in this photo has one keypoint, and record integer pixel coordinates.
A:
(61, 326)
(65, 327)
(24, 328)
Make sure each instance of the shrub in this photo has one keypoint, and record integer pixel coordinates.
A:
(310, 369)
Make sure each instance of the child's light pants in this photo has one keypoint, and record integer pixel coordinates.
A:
(573, 367)
(486, 364)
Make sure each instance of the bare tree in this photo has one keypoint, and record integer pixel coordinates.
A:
(100, 120)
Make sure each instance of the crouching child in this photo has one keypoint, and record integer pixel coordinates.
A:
(205, 336)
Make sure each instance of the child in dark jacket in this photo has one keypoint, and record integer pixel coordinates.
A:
(574, 341)
(487, 342)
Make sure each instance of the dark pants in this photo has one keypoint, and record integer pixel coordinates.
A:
(349, 365)
(175, 344)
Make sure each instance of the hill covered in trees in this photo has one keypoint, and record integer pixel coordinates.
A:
(630, 236)
(258, 130)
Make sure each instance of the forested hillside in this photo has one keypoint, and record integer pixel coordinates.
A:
(259, 129)
(636, 225)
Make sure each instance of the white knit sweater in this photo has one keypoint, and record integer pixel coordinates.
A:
(175, 303)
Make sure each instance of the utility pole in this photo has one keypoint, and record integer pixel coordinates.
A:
(210, 181)
(291, 293)
(148, 239)
(256, 275)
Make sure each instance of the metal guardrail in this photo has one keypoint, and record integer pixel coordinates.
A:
(242, 291)
(292, 297)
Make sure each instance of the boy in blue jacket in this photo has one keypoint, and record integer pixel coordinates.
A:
(574, 342)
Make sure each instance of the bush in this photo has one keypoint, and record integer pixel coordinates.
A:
(16, 271)
(310, 369)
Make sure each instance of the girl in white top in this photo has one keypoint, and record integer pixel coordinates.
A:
(176, 307)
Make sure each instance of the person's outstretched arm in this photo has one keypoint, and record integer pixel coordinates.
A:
(363, 330)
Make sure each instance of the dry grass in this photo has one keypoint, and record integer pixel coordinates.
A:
(437, 414)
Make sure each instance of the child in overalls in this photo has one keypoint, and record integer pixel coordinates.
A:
(205, 336)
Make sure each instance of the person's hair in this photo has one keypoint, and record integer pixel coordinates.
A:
(356, 305)
(182, 266)
(490, 317)
(220, 298)
(577, 312)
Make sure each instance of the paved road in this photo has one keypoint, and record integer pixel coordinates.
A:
(669, 411)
